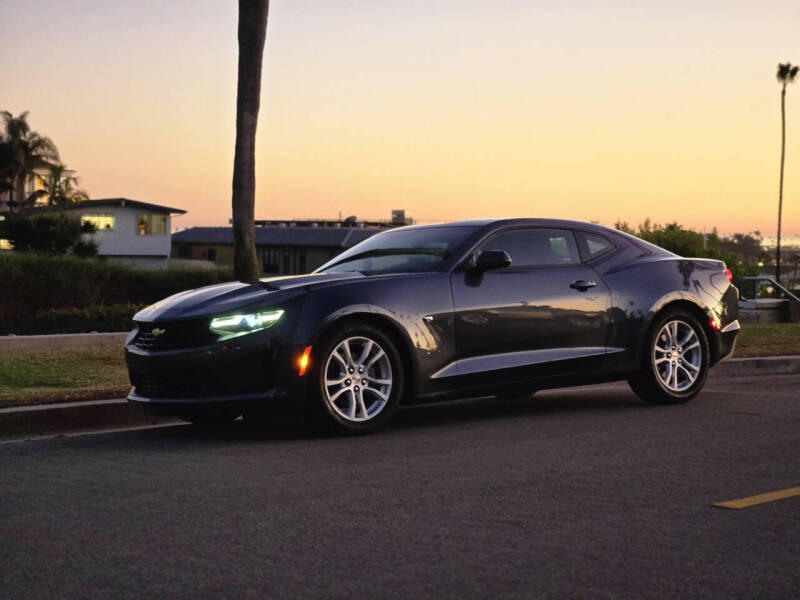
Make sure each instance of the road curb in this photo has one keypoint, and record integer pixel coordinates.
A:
(47, 419)
(57, 341)
(763, 365)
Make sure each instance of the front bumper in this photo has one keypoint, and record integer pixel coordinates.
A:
(252, 370)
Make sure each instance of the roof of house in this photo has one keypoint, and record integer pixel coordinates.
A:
(322, 237)
(125, 202)
(102, 202)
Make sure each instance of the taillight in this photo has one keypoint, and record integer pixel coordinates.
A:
(729, 275)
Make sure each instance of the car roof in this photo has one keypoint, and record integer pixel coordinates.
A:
(522, 221)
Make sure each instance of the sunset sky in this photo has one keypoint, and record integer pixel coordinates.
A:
(450, 109)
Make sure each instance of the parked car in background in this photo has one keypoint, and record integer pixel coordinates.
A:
(424, 313)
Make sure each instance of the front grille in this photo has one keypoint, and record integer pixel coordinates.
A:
(173, 335)
(170, 386)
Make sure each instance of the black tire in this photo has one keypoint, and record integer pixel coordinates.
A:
(649, 383)
(331, 416)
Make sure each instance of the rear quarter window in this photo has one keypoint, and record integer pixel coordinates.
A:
(594, 244)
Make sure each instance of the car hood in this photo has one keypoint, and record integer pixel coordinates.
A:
(310, 280)
(227, 297)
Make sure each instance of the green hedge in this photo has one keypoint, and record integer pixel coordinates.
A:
(64, 294)
(116, 317)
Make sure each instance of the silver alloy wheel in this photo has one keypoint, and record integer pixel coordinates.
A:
(677, 356)
(358, 379)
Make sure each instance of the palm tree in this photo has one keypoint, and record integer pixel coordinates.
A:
(786, 74)
(61, 188)
(28, 150)
(252, 35)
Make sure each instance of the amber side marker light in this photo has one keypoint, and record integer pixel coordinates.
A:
(302, 362)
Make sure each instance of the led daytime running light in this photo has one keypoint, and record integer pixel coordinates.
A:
(234, 325)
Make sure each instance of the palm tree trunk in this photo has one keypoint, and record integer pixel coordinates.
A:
(780, 186)
(252, 35)
(19, 189)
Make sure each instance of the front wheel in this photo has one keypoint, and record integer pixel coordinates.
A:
(359, 380)
(675, 367)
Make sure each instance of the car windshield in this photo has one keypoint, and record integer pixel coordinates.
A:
(400, 251)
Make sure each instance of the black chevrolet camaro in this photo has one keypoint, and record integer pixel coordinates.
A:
(422, 313)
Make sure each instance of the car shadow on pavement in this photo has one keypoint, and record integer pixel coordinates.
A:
(555, 402)
(292, 426)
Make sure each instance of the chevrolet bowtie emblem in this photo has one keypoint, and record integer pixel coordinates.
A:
(157, 332)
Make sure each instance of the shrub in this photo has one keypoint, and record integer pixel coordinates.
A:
(37, 286)
(116, 317)
(735, 251)
(49, 233)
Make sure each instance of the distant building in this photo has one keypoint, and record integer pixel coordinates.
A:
(129, 231)
(283, 247)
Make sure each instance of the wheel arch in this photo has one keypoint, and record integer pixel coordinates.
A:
(390, 327)
(683, 302)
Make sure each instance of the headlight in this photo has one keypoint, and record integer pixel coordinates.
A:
(236, 325)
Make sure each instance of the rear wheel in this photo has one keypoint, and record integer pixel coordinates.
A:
(677, 361)
(359, 380)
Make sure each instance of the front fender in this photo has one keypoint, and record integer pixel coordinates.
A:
(417, 309)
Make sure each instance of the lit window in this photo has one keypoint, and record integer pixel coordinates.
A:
(101, 222)
(151, 224)
(5, 245)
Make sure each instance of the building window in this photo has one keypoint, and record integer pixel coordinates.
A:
(272, 257)
(184, 251)
(212, 254)
(101, 222)
(5, 245)
(151, 224)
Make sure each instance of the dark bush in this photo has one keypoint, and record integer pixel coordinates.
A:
(735, 251)
(48, 233)
(79, 320)
(37, 286)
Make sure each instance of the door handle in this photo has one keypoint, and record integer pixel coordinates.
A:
(582, 285)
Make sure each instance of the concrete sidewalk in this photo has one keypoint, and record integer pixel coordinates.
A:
(48, 419)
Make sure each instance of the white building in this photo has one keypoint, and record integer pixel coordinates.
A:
(128, 230)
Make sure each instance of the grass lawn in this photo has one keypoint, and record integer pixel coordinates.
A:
(94, 372)
(98, 371)
(779, 339)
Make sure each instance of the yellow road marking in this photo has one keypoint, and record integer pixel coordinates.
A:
(760, 499)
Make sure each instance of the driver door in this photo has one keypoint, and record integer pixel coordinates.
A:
(544, 315)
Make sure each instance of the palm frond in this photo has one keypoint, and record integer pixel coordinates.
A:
(786, 73)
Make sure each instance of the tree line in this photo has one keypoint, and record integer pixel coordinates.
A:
(25, 153)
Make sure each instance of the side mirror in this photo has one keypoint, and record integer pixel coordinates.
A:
(492, 259)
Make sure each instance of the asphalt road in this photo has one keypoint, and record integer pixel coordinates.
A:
(581, 493)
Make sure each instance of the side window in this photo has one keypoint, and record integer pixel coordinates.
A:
(536, 247)
(151, 224)
(595, 244)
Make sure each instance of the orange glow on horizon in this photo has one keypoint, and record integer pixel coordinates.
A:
(592, 111)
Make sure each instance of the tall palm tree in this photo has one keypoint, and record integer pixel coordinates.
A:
(252, 35)
(786, 75)
(61, 188)
(28, 150)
